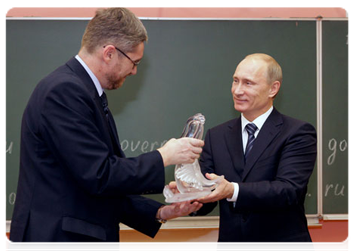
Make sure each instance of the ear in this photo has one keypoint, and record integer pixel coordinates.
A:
(108, 53)
(274, 89)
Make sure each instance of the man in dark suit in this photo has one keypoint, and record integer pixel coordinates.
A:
(75, 183)
(266, 165)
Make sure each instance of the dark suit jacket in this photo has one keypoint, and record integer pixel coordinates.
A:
(72, 186)
(273, 182)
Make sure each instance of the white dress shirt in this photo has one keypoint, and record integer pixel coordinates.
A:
(259, 121)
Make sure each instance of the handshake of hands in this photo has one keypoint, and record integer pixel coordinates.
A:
(186, 151)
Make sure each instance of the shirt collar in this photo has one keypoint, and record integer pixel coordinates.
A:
(259, 121)
(90, 73)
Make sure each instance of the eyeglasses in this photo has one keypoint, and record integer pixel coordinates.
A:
(134, 63)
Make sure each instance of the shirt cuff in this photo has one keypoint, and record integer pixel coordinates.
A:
(235, 195)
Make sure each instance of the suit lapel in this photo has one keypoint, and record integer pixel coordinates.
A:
(115, 135)
(110, 127)
(269, 131)
(233, 138)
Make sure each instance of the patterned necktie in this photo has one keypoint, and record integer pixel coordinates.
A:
(251, 129)
(105, 105)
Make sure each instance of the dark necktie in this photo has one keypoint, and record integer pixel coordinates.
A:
(251, 129)
(111, 125)
(105, 105)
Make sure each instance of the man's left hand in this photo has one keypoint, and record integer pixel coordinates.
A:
(225, 189)
(179, 209)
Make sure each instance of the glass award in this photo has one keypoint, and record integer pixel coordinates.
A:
(191, 183)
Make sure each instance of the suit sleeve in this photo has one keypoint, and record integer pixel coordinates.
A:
(140, 213)
(70, 125)
(293, 170)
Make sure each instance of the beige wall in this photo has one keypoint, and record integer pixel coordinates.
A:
(331, 235)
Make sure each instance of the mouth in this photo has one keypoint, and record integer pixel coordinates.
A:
(239, 101)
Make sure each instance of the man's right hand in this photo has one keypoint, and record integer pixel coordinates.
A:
(181, 151)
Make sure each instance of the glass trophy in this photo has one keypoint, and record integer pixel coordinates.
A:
(191, 183)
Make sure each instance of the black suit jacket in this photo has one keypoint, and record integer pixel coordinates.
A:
(272, 184)
(72, 185)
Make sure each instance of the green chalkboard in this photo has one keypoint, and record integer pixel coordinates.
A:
(187, 68)
(335, 117)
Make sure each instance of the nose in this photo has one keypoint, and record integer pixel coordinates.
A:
(237, 89)
(134, 70)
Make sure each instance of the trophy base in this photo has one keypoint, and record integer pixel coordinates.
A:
(180, 197)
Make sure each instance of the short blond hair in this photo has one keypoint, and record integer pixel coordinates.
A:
(274, 70)
(117, 26)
